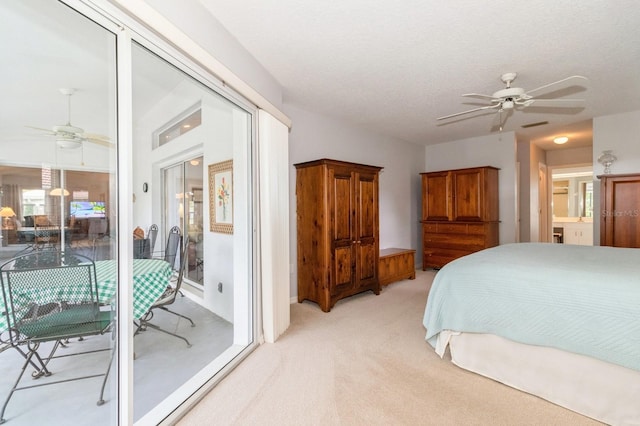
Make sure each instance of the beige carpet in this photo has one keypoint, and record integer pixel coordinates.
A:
(366, 363)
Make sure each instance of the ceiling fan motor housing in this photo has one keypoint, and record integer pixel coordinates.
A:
(512, 92)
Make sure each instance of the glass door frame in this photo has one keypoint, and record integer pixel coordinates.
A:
(128, 30)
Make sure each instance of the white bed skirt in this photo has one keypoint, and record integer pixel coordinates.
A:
(597, 389)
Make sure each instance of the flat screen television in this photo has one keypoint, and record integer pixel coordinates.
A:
(87, 209)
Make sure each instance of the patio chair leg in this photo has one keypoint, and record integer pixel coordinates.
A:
(106, 376)
(155, 327)
(15, 386)
(164, 308)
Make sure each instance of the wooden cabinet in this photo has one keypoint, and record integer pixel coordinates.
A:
(620, 210)
(337, 230)
(459, 213)
(396, 264)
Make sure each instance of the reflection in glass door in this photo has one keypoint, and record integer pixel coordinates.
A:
(183, 208)
(58, 144)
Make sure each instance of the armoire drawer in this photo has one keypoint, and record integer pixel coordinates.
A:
(438, 257)
(454, 241)
(454, 228)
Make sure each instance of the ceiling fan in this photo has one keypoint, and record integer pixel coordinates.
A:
(68, 136)
(510, 98)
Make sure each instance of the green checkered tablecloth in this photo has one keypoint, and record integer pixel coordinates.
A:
(150, 279)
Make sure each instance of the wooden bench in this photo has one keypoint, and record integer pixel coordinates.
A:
(396, 264)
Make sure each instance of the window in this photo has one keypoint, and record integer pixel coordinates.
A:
(187, 122)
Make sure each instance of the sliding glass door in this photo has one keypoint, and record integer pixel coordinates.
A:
(182, 157)
(183, 130)
(58, 144)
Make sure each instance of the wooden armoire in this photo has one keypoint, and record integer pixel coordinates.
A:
(620, 210)
(337, 221)
(459, 214)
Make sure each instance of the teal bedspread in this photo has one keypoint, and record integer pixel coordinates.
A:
(580, 299)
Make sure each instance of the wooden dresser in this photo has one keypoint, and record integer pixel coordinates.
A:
(459, 213)
(620, 210)
(337, 220)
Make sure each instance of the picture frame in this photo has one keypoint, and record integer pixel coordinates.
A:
(221, 197)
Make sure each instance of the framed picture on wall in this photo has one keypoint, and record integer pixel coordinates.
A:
(221, 197)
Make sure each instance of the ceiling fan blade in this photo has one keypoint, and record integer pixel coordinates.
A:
(479, 96)
(572, 79)
(101, 142)
(469, 111)
(552, 102)
(48, 131)
(96, 136)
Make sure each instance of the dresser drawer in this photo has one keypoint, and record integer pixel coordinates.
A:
(477, 228)
(430, 227)
(452, 228)
(445, 228)
(454, 241)
(438, 257)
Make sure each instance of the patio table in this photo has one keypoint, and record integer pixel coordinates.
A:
(150, 280)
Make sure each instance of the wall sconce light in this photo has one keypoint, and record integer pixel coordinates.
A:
(606, 159)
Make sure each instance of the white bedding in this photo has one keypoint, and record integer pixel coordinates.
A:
(561, 322)
(605, 392)
(580, 299)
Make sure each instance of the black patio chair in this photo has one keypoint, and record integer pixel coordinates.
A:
(51, 296)
(152, 235)
(167, 299)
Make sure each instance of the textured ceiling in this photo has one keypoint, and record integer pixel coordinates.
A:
(394, 67)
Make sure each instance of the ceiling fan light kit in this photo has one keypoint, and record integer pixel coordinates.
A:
(68, 136)
(516, 98)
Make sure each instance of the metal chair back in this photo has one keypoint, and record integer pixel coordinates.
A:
(152, 235)
(174, 240)
(46, 235)
(183, 260)
(50, 295)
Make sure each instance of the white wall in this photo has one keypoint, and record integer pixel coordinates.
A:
(314, 136)
(203, 28)
(618, 133)
(570, 156)
(218, 138)
(497, 150)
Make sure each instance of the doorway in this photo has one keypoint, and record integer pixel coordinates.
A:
(183, 195)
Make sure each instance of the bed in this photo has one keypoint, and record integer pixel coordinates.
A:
(559, 321)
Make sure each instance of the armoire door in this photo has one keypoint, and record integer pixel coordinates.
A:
(436, 199)
(342, 228)
(366, 229)
(467, 195)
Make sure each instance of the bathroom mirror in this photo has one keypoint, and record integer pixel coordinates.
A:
(572, 192)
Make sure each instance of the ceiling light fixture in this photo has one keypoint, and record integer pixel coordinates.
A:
(560, 140)
(59, 192)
